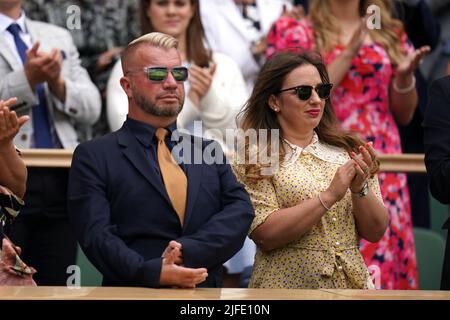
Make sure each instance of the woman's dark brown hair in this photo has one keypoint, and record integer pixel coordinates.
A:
(195, 35)
(257, 114)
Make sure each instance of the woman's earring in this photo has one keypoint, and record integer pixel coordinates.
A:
(274, 108)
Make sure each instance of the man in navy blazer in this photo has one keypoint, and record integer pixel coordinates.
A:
(437, 154)
(118, 203)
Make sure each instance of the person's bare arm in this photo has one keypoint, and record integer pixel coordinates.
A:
(371, 216)
(402, 93)
(13, 173)
(289, 224)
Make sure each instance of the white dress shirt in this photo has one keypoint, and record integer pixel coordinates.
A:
(5, 22)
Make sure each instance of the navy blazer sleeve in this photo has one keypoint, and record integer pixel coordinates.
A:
(437, 139)
(89, 212)
(224, 234)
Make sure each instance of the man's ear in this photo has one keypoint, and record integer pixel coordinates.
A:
(274, 103)
(126, 86)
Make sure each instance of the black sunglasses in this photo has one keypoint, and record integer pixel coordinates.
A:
(159, 74)
(304, 92)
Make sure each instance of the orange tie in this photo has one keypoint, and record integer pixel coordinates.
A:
(173, 176)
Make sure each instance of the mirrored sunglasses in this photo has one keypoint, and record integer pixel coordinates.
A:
(159, 74)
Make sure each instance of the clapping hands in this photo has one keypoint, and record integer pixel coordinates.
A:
(200, 80)
(366, 165)
(42, 67)
(354, 173)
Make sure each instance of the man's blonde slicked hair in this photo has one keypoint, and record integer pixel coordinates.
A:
(154, 39)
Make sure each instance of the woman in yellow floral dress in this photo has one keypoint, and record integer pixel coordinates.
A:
(324, 194)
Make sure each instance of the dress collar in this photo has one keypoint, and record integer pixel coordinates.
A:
(317, 149)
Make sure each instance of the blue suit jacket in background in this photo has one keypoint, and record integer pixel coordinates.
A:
(124, 219)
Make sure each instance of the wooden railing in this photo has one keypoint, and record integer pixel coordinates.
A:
(403, 162)
(63, 158)
(48, 158)
(202, 294)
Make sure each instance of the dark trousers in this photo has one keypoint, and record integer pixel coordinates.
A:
(420, 203)
(412, 142)
(42, 229)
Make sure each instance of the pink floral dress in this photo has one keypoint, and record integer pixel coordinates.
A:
(361, 103)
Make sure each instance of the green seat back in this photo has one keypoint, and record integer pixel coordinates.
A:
(430, 247)
(90, 276)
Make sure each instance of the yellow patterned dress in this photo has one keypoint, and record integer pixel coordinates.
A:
(325, 257)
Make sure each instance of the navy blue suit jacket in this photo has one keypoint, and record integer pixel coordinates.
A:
(436, 127)
(437, 155)
(124, 219)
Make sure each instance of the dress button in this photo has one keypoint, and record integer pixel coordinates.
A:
(334, 219)
(338, 243)
(339, 268)
(23, 137)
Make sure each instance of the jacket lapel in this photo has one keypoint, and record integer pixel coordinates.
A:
(131, 150)
(8, 55)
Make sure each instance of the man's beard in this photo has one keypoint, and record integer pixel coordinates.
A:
(151, 108)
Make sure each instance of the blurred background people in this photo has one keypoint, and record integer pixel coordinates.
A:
(100, 29)
(238, 28)
(423, 29)
(39, 65)
(215, 89)
(373, 72)
(322, 197)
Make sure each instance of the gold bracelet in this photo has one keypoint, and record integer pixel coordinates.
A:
(323, 204)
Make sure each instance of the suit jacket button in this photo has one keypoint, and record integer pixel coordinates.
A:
(24, 137)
